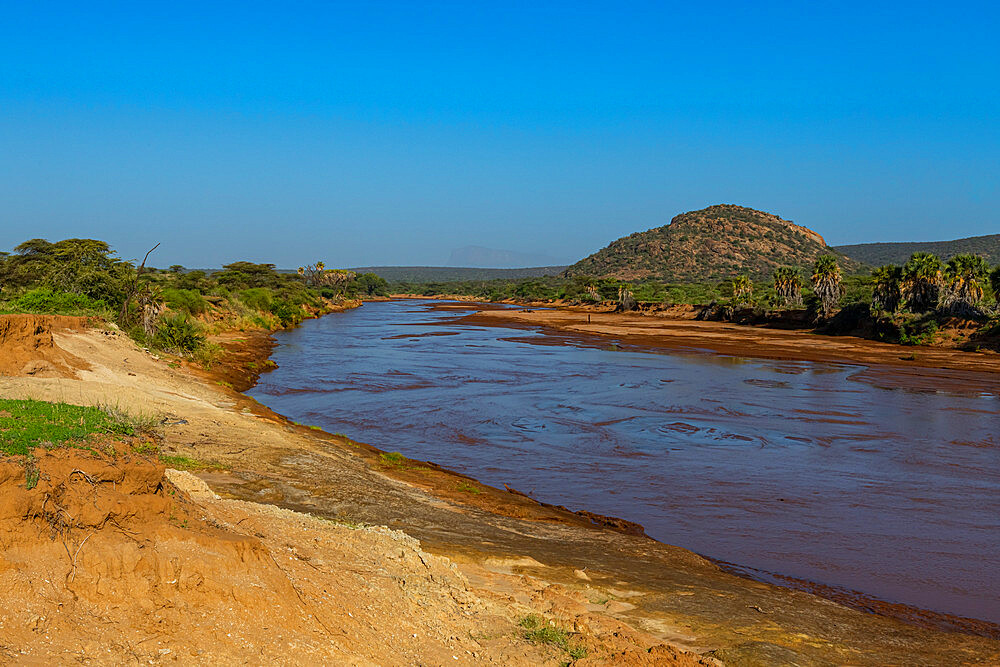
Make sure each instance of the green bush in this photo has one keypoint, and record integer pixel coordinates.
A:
(45, 300)
(257, 298)
(920, 331)
(287, 312)
(178, 332)
(185, 300)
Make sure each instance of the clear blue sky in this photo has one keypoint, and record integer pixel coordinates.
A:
(393, 132)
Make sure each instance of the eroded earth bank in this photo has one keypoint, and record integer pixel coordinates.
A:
(290, 545)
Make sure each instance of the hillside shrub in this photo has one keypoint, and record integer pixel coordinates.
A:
(257, 298)
(288, 312)
(185, 300)
(46, 300)
(178, 332)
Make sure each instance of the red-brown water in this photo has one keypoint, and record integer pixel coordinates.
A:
(800, 469)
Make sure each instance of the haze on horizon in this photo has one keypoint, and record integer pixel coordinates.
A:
(391, 133)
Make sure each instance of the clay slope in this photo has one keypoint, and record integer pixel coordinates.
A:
(715, 243)
(28, 348)
(107, 560)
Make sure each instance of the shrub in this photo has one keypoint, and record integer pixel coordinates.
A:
(185, 300)
(287, 312)
(257, 298)
(45, 300)
(178, 332)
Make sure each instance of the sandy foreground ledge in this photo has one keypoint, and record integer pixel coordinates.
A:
(305, 550)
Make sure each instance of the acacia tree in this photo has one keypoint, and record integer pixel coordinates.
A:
(826, 280)
(922, 281)
(742, 291)
(788, 285)
(965, 276)
(79, 266)
(887, 291)
(317, 275)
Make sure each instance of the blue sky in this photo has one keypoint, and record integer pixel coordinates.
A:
(392, 132)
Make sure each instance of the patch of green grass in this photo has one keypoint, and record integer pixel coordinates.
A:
(469, 488)
(26, 424)
(539, 631)
(187, 463)
(392, 459)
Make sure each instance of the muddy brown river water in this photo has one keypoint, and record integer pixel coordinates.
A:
(787, 469)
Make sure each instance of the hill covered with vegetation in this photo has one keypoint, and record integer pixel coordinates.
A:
(877, 254)
(715, 243)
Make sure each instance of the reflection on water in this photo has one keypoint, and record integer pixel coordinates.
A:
(798, 468)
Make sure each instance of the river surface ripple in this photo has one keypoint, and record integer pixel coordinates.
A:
(794, 468)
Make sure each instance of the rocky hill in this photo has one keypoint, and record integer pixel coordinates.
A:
(714, 243)
(877, 254)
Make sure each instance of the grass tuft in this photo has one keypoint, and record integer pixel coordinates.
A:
(539, 631)
(392, 459)
(127, 422)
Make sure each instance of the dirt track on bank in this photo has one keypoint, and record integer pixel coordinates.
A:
(529, 558)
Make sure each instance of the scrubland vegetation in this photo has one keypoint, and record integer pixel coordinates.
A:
(907, 304)
(173, 309)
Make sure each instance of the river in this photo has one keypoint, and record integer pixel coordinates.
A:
(798, 469)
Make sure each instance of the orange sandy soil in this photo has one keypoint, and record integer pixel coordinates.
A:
(108, 561)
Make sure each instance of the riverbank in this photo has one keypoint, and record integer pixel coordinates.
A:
(920, 367)
(786, 335)
(666, 595)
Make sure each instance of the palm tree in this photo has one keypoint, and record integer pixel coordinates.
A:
(966, 275)
(788, 285)
(626, 300)
(887, 291)
(826, 283)
(995, 284)
(742, 291)
(922, 281)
